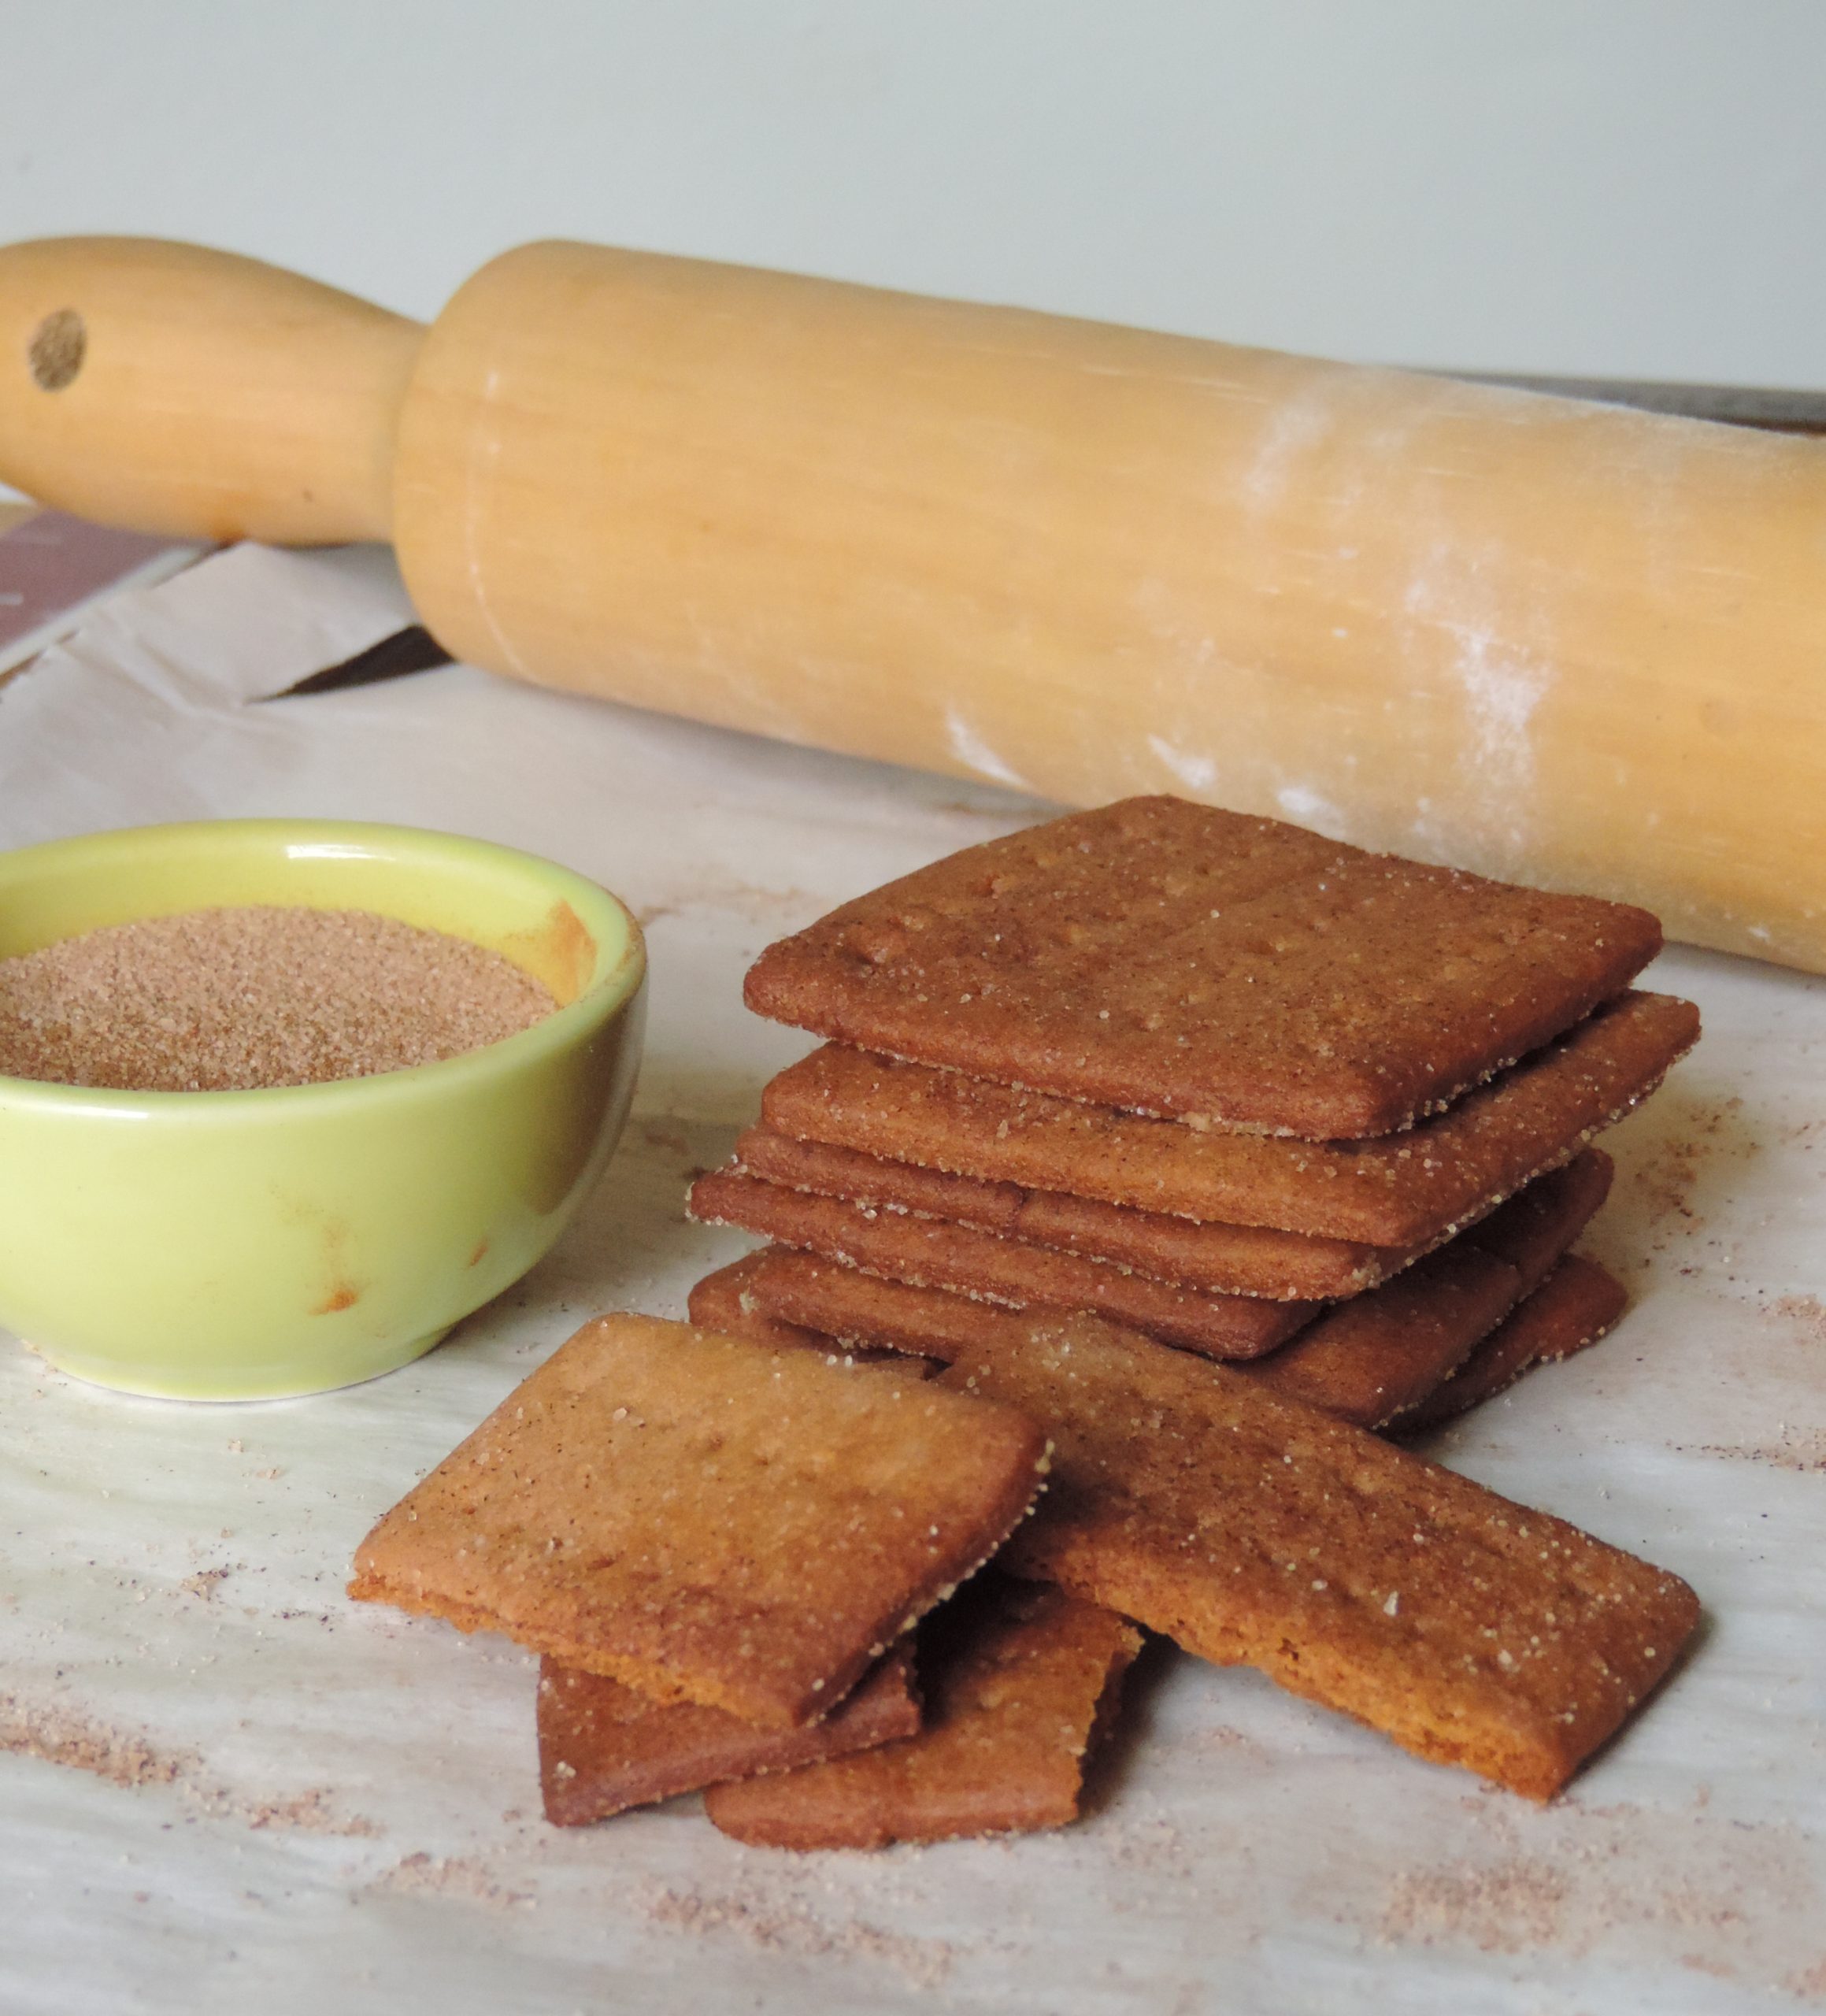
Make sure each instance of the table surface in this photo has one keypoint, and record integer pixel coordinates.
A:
(230, 1787)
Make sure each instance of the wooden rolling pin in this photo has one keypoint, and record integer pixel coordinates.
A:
(1566, 643)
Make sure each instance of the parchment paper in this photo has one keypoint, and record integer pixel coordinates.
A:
(228, 1787)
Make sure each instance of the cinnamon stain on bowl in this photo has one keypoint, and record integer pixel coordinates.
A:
(559, 953)
(342, 1292)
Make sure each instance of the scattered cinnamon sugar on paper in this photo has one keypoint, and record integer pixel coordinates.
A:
(1806, 1310)
(760, 1919)
(66, 1737)
(1511, 1907)
(1670, 1173)
(450, 1876)
(310, 1812)
(128, 1758)
(1789, 1448)
(1716, 1893)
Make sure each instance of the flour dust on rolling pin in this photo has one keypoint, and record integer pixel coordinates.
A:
(1561, 642)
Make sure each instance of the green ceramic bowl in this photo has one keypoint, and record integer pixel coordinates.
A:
(236, 1246)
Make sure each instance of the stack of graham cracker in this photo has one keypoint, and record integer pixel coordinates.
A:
(1319, 1113)
(1261, 1099)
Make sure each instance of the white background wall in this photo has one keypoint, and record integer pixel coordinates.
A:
(1625, 187)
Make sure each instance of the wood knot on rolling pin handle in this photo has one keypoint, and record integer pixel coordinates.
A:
(58, 345)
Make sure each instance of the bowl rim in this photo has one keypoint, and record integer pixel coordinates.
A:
(599, 1003)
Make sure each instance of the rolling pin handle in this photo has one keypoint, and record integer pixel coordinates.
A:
(196, 394)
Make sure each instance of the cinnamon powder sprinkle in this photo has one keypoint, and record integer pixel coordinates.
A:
(231, 1000)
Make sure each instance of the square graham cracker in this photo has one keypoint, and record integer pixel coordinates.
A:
(1019, 1682)
(1370, 1360)
(725, 1301)
(989, 1266)
(1364, 1359)
(736, 1298)
(1392, 1360)
(706, 1519)
(1219, 1259)
(603, 1748)
(1578, 1303)
(1535, 1227)
(1178, 960)
(843, 1310)
(1255, 1530)
(1406, 1189)
(1371, 1363)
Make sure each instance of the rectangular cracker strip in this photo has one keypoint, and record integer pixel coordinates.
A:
(1407, 1190)
(932, 1253)
(1176, 959)
(1576, 1306)
(1018, 1680)
(603, 1748)
(1220, 1259)
(706, 1519)
(1254, 1531)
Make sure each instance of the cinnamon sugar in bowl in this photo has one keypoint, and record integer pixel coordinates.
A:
(281, 1100)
